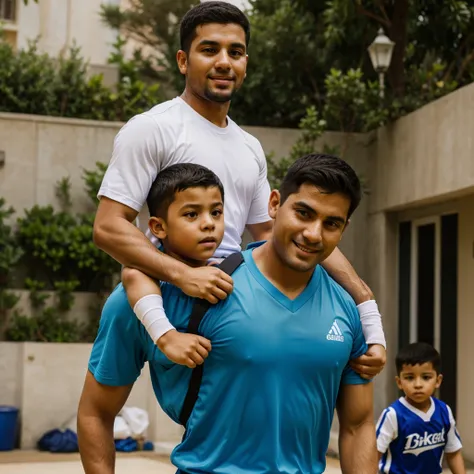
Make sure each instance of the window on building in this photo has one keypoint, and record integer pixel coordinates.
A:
(7, 10)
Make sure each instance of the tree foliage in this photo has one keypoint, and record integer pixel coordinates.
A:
(433, 54)
(298, 46)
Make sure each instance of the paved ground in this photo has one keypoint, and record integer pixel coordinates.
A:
(44, 463)
(21, 462)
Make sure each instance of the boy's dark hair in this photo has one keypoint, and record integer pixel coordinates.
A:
(418, 353)
(211, 12)
(179, 178)
(327, 172)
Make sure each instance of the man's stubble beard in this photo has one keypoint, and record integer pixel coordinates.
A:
(209, 95)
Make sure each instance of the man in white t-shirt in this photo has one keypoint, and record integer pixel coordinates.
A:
(195, 128)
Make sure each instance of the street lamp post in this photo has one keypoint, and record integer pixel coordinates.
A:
(380, 52)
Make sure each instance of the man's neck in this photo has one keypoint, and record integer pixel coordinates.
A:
(290, 282)
(215, 112)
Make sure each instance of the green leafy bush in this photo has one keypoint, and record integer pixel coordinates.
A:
(35, 83)
(58, 245)
(10, 255)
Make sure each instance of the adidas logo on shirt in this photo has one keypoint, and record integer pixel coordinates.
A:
(335, 333)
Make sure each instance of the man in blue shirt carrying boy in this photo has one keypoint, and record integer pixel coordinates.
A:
(281, 341)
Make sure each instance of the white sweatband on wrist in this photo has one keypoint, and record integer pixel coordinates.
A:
(371, 323)
(149, 310)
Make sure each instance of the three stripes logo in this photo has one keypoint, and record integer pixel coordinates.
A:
(335, 333)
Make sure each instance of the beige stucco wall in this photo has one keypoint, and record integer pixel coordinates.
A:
(466, 324)
(426, 156)
(39, 151)
(57, 23)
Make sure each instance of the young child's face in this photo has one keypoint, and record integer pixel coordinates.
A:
(419, 382)
(194, 226)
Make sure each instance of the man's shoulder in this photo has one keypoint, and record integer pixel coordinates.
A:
(147, 125)
(251, 141)
(168, 113)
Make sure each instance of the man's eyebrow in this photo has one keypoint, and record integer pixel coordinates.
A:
(306, 206)
(216, 43)
(311, 210)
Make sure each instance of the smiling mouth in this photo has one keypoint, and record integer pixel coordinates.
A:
(222, 79)
(306, 249)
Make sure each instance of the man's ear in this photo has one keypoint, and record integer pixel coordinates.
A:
(182, 60)
(274, 203)
(157, 226)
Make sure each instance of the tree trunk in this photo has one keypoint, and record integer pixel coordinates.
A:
(398, 33)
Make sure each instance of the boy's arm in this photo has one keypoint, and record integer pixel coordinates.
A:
(98, 407)
(453, 447)
(386, 430)
(144, 296)
(343, 272)
(357, 447)
(456, 462)
(115, 234)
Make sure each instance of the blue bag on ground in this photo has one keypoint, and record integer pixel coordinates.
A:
(59, 441)
(126, 445)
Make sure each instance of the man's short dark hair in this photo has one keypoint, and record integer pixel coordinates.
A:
(418, 353)
(328, 173)
(211, 12)
(178, 178)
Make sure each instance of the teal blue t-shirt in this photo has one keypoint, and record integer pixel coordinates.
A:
(270, 383)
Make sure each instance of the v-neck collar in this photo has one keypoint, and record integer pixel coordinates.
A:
(425, 416)
(292, 305)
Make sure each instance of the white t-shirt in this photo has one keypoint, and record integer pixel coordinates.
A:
(173, 132)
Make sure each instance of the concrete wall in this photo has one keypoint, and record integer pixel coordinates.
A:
(39, 151)
(466, 323)
(80, 311)
(425, 157)
(45, 381)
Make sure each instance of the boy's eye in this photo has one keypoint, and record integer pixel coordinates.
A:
(217, 212)
(302, 213)
(191, 214)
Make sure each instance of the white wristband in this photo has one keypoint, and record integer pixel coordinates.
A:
(371, 323)
(149, 310)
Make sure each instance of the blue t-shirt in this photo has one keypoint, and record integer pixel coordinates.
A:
(270, 383)
(413, 441)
